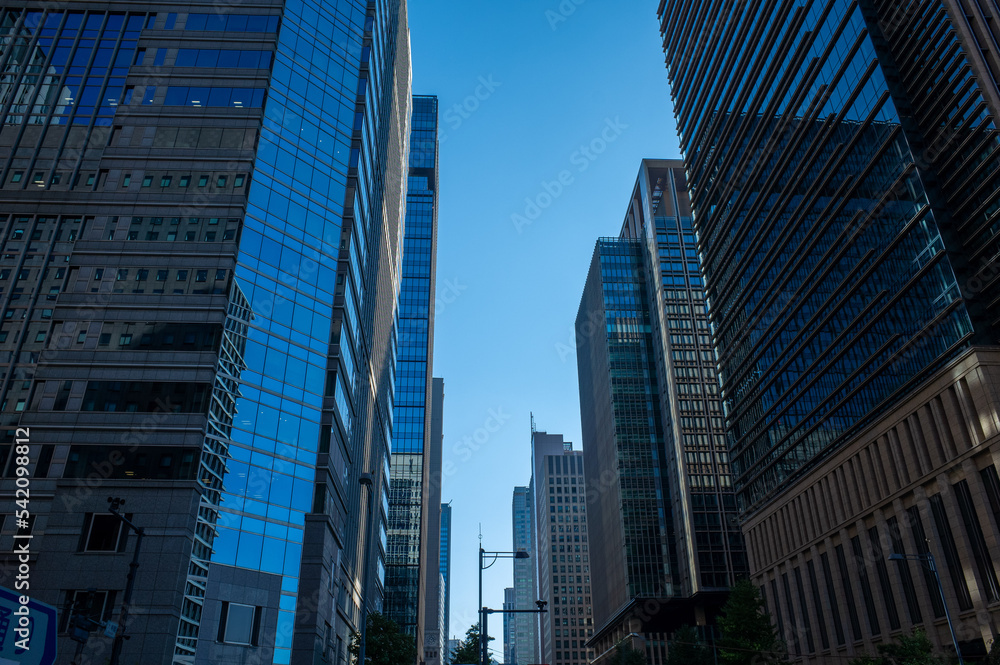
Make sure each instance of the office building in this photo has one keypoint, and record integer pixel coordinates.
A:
(841, 160)
(525, 633)
(509, 626)
(201, 218)
(413, 508)
(453, 646)
(561, 555)
(662, 510)
(445, 557)
(434, 600)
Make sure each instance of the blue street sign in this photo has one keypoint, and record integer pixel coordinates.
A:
(26, 639)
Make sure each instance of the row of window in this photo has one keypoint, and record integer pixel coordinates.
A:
(191, 57)
(142, 274)
(185, 181)
(247, 98)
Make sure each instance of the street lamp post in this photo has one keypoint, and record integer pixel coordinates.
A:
(120, 637)
(485, 612)
(928, 559)
(483, 642)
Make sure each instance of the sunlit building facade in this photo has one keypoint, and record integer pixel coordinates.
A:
(562, 551)
(524, 633)
(842, 161)
(412, 495)
(201, 218)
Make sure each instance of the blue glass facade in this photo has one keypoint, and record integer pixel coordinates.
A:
(237, 180)
(832, 264)
(410, 472)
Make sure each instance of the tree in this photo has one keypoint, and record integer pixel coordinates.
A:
(385, 644)
(686, 648)
(913, 649)
(747, 633)
(627, 655)
(468, 650)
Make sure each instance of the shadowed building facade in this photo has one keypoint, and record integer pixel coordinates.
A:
(200, 214)
(662, 510)
(842, 163)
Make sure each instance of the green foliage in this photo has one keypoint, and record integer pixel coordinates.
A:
(626, 655)
(913, 649)
(748, 638)
(385, 644)
(686, 648)
(468, 650)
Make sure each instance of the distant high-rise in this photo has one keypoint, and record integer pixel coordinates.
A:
(434, 599)
(525, 634)
(200, 220)
(446, 564)
(561, 555)
(662, 512)
(413, 499)
(509, 626)
(843, 163)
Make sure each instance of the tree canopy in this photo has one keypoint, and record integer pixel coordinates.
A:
(913, 649)
(385, 644)
(467, 652)
(747, 635)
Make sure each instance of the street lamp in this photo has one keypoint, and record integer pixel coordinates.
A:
(928, 559)
(483, 642)
(120, 637)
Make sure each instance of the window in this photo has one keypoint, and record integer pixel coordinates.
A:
(142, 275)
(161, 275)
(184, 181)
(189, 235)
(122, 274)
(18, 175)
(166, 180)
(239, 624)
(90, 179)
(125, 339)
(220, 274)
(201, 276)
(102, 532)
(182, 275)
(221, 181)
(147, 181)
(40, 337)
(126, 180)
(238, 182)
(203, 181)
(104, 340)
(230, 234)
(97, 605)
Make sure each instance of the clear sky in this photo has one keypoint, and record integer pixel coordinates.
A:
(530, 90)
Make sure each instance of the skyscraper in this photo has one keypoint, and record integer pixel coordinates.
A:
(413, 499)
(844, 185)
(201, 216)
(525, 633)
(446, 565)
(662, 512)
(434, 600)
(509, 627)
(561, 555)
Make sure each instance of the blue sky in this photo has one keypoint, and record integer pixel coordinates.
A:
(546, 110)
